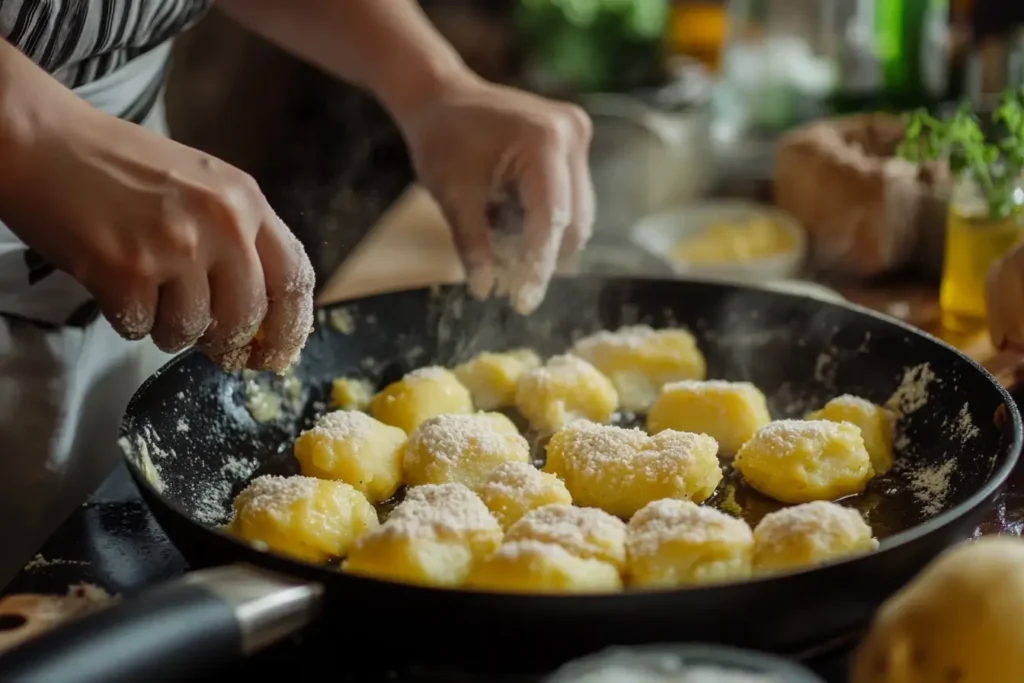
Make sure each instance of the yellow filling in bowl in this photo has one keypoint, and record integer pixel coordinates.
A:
(737, 242)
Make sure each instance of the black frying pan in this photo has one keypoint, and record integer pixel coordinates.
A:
(191, 425)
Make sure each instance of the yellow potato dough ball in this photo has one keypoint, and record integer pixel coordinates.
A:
(354, 448)
(797, 461)
(433, 538)
(876, 426)
(463, 449)
(674, 543)
(621, 470)
(731, 412)
(584, 532)
(305, 518)
(562, 390)
(420, 395)
(958, 620)
(640, 360)
(514, 488)
(535, 567)
(492, 378)
(809, 534)
(351, 394)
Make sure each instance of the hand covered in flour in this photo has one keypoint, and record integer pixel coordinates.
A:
(481, 148)
(172, 242)
(1004, 301)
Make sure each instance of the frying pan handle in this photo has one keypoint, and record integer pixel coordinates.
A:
(205, 619)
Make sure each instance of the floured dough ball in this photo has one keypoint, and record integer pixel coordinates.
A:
(492, 378)
(809, 534)
(676, 543)
(584, 532)
(621, 470)
(463, 449)
(875, 422)
(640, 360)
(305, 518)
(432, 538)
(958, 620)
(797, 461)
(351, 394)
(535, 567)
(562, 390)
(514, 488)
(731, 412)
(420, 395)
(354, 448)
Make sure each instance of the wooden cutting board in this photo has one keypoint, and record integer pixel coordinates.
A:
(411, 246)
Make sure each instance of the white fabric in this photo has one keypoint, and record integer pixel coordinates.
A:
(62, 394)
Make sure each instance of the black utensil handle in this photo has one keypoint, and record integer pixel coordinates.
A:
(204, 620)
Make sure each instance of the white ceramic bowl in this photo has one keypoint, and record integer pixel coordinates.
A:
(660, 232)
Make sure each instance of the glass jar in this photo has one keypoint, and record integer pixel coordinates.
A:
(974, 242)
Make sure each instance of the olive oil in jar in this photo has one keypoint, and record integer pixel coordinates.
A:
(974, 242)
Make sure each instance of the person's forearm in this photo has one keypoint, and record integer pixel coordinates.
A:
(31, 105)
(388, 47)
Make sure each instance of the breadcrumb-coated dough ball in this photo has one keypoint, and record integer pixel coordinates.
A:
(492, 378)
(731, 412)
(562, 390)
(676, 543)
(514, 488)
(351, 394)
(421, 395)
(584, 532)
(621, 470)
(353, 447)
(432, 538)
(463, 449)
(809, 534)
(876, 426)
(797, 461)
(302, 517)
(534, 567)
(640, 360)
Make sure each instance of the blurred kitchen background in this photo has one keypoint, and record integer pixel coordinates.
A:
(691, 100)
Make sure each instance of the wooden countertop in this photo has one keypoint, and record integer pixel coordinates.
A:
(411, 247)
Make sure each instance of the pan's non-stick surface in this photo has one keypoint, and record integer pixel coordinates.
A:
(191, 434)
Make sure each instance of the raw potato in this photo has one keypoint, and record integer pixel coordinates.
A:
(419, 396)
(515, 488)
(731, 412)
(463, 449)
(876, 426)
(492, 378)
(354, 448)
(433, 538)
(640, 360)
(585, 532)
(351, 394)
(535, 567)
(621, 470)
(797, 461)
(305, 518)
(805, 535)
(959, 620)
(562, 390)
(675, 543)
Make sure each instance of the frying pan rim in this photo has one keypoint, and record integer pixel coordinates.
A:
(996, 479)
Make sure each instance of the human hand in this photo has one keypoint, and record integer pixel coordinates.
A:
(477, 147)
(172, 242)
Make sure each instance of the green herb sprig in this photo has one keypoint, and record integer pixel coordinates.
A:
(960, 139)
